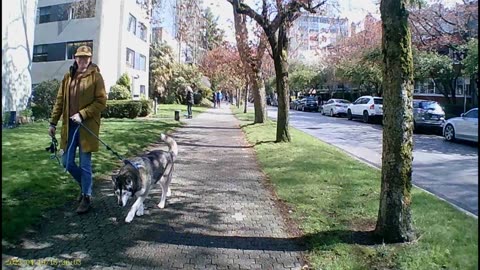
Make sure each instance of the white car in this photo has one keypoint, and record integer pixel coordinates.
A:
(464, 127)
(366, 108)
(335, 107)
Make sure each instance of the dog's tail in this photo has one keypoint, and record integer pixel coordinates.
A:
(172, 145)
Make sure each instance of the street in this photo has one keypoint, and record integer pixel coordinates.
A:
(448, 170)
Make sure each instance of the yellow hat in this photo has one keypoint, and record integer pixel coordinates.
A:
(83, 51)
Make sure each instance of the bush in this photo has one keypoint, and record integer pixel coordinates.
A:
(43, 98)
(119, 92)
(146, 107)
(122, 109)
(125, 81)
(206, 103)
(454, 110)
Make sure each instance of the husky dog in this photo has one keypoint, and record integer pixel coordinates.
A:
(139, 174)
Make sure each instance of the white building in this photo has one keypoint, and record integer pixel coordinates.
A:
(18, 25)
(118, 31)
(312, 33)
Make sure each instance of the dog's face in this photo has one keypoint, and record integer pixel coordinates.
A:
(123, 187)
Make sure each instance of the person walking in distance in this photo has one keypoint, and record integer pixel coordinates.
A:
(219, 98)
(80, 100)
(190, 100)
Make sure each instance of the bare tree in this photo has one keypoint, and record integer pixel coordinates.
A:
(276, 19)
(252, 59)
(394, 222)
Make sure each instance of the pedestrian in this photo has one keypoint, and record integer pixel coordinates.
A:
(219, 98)
(214, 99)
(189, 98)
(80, 100)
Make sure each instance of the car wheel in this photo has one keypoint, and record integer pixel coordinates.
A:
(349, 114)
(331, 113)
(449, 133)
(365, 117)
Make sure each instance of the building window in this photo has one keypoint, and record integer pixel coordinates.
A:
(44, 15)
(142, 90)
(73, 46)
(40, 53)
(82, 9)
(142, 31)
(142, 62)
(132, 24)
(130, 58)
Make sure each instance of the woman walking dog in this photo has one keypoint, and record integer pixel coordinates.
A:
(80, 99)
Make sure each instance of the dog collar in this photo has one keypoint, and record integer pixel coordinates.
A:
(136, 166)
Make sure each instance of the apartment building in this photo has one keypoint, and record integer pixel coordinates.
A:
(118, 31)
(312, 33)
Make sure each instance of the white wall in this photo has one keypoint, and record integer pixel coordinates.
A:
(108, 43)
(18, 27)
(131, 41)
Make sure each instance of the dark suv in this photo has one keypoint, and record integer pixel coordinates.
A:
(427, 113)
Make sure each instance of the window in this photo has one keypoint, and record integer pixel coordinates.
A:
(471, 114)
(142, 31)
(73, 46)
(40, 53)
(130, 58)
(142, 90)
(44, 14)
(132, 24)
(142, 62)
(378, 101)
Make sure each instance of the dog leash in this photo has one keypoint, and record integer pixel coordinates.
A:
(125, 161)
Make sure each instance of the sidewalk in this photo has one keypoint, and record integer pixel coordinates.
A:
(220, 215)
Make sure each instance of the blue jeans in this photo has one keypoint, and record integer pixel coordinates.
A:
(82, 174)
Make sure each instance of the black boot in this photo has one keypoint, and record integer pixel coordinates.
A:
(84, 205)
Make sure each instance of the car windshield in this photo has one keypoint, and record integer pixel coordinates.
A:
(431, 105)
(378, 101)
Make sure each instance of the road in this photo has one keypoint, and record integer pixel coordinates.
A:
(448, 170)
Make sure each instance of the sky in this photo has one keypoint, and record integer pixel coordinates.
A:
(354, 10)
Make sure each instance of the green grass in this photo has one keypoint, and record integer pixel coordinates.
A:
(334, 196)
(32, 183)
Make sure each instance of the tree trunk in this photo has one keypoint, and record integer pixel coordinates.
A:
(394, 215)
(280, 60)
(246, 99)
(259, 99)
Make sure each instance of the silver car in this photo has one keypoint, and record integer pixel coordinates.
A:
(335, 107)
(427, 113)
(464, 127)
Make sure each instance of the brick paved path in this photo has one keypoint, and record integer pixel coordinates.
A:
(220, 216)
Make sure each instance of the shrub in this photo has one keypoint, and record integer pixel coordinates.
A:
(122, 109)
(43, 98)
(206, 103)
(125, 81)
(119, 92)
(146, 107)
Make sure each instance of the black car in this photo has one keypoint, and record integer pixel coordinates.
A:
(309, 104)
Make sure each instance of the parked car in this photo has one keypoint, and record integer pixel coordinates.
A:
(464, 127)
(300, 103)
(335, 107)
(293, 104)
(427, 113)
(308, 104)
(366, 108)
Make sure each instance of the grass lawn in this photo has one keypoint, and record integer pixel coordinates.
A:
(335, 201)
(32, 183)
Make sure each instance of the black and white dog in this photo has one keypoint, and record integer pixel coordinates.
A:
(139, 175)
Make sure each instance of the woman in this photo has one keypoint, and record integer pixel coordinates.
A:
(80, 99)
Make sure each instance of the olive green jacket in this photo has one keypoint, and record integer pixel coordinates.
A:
(92, 100)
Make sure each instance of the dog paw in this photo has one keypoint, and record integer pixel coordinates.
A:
(139, 213)
(129, 218)
(161, 205)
